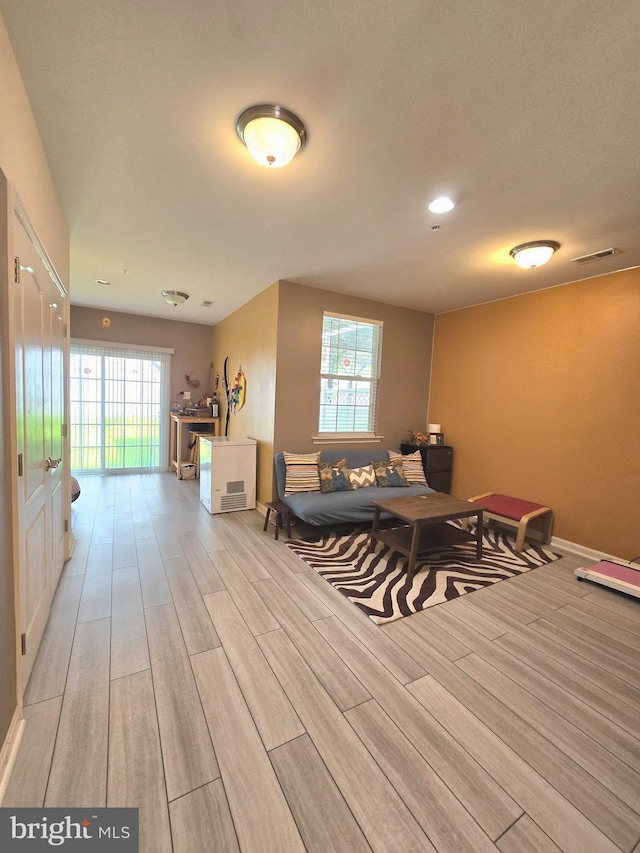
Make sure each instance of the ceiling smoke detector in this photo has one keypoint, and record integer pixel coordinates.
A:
(175, 297)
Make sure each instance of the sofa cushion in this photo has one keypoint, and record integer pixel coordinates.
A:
(411, 465)
(301, 473)
(389, 474)
(352, 506)
(333, 476)
(361, 477)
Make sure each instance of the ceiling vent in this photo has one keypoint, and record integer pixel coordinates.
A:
(594, 256)
(207, 303)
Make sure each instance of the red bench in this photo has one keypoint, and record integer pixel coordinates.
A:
(516, 512)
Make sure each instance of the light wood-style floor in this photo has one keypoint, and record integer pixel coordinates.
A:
(195, 668)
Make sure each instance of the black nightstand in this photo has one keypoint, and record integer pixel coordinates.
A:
(437, 461)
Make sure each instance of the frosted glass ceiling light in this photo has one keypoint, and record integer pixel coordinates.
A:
(175, 297)
(272, 134)
(528, 256)
(441, 205)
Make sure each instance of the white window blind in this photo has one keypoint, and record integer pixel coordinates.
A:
(349, 375)
(119, 403)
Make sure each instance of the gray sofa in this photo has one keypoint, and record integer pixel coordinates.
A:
(355, 505)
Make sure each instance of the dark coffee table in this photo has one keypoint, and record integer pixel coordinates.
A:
(426, 529)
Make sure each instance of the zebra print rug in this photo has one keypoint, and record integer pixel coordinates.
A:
(376, 581)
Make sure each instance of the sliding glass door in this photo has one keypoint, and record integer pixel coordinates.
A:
(119, 404)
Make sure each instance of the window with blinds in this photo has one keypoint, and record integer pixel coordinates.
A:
(349, 375)
(119, 404)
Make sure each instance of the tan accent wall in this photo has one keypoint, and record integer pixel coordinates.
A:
(23, 161)
(248, 338)
(540, 396)
(405, 372)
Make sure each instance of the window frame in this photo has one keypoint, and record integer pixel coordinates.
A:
(353, 436)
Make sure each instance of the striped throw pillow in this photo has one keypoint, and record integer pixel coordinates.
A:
(302, 473)
(412, 466)
(361, 477)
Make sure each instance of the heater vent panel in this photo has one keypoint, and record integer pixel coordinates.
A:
(228, 502)
(594, 256)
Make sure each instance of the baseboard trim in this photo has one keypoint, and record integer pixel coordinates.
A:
(261, 508)
(583, 551)
(10, 749)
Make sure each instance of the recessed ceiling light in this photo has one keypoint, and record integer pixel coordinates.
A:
(102, 281)
(441, 205)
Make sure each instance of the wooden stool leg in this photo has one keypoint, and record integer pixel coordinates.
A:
(266, 519)
(289, 525)
(522, 529)
(278, 524)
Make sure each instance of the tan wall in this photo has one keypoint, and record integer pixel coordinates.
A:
(406, 360)
(248, 338)
(540, 396)
(23, 161)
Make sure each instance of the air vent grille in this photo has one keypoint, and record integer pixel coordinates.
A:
(235, 486)
(207, 303)
(594, 256)
(229, 502)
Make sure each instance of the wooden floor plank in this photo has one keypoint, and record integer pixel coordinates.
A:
(618, 778)
(28, 781)
(49, 672)
(526, 837)
(448, 824)
(273, 715)
(592, 646)
(136, 778)
(560, 820)
(79, 767)
(363, 785)
(394, 658)
(418, 632)
(323, 818)
(260, 812)
(493, 809)
(613, 723)
(597, 667)
(304, 598)
(622, 628)
(195, 622)
(125, 553)
(201, 822)
(153, 580)
(250, 565)
(189, 760)
(335, 676)
(129, 649)
(202, 568)
(258, 617)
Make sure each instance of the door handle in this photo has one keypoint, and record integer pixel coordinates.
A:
(52, 463)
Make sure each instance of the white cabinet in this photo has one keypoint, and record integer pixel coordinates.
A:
(227, 473)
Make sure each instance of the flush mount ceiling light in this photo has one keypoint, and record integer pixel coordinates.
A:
(528, 256)
(175, 297)
(272, 134)
(441, 205)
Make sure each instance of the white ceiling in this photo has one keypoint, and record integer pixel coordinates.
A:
(526, 114)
